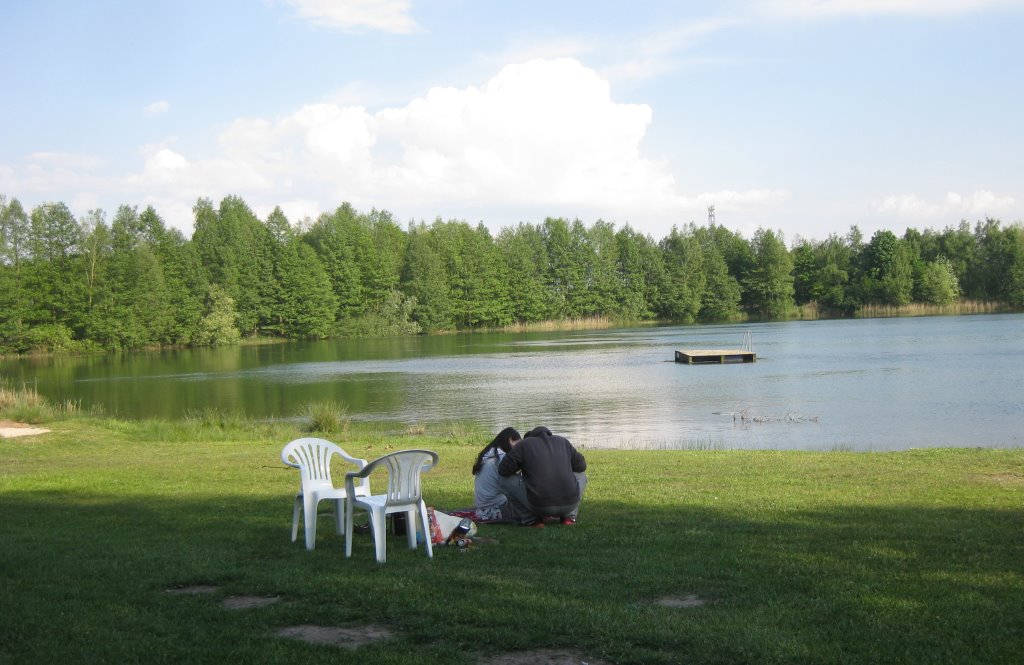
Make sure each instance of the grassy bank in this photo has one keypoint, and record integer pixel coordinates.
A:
(771, 557)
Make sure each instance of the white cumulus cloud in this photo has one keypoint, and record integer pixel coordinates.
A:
(158, 108)
(953, 205)
(545, 132)
(539, 138)
(826, 8)
(347, 15)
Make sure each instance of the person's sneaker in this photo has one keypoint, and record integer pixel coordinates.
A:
(550, 519)
(568, 521)
(539, 524)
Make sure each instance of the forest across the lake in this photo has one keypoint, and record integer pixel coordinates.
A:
(89, 284)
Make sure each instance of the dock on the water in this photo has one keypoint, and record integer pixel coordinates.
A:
(716, 356)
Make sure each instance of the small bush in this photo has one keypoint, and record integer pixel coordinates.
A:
(327, 416)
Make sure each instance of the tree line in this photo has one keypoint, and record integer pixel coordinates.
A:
(70, 284)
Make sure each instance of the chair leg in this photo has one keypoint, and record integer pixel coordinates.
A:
(309, 508)
(348, 528)
(295, 516)
(411, 527)
(425, 526)
(339, 515)
(379, 529)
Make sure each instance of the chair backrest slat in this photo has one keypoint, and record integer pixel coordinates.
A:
(403, 469)
(312, 457)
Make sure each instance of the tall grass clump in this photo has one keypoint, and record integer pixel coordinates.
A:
(24, 405)
(225, 419)
(326, 416)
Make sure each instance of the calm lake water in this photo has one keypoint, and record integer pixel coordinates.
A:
(869, 384)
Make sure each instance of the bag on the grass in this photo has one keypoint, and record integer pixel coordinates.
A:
(442, 525)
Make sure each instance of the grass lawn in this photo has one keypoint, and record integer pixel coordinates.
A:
(770, 557)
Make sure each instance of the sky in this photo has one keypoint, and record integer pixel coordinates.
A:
(800, 116)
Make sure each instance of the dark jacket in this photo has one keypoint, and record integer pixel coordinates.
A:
(548, 462)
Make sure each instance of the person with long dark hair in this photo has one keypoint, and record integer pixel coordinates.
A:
(490, 502)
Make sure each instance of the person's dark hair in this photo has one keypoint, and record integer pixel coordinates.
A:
(502, 442)
(539, 430)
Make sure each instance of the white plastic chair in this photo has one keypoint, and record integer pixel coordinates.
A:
(312, 457)
(403, 496)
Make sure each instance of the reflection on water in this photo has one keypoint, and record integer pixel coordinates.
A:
(860, 384)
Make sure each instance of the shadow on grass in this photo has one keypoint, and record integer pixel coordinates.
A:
(85, 581)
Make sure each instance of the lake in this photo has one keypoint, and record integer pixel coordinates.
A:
(864, 384)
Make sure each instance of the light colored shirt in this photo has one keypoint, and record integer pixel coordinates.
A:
(487, 494)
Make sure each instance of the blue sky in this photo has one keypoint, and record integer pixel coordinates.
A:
(805, 116)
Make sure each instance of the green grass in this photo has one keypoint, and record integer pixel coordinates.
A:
(800, 557)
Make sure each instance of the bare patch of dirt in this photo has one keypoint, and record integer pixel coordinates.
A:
(337, 636)
(248, 602)
(194, 590)
(689, 600)
(542, 657)
(10, 429)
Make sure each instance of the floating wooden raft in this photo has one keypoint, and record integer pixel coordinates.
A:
(718, 356)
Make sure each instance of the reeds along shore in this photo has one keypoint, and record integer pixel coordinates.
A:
(922, 309)
(808, 311)
(574, 323)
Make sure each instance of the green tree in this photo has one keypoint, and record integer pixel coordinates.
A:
(805, 271)
(425, 279)
(736, 251)
(833, 288)
(641, 271)
(333, 238)
(685, 280)
(604, 281)
(994, 259)
(15, 232)
(133, 305)
(822, 274)
(233, 246)
(381, 254)
(120, 318)
(472, 268)
(524, 269)
(769, 283)
(96, 250)
(887, 274)
(567, 267)
(937, 284)
(958, 246)
(722, 293)
(484, 287)
(308, 303)
(185, 281)
(54, 278)
(274, 243)
(1014, 289)
(217, 327)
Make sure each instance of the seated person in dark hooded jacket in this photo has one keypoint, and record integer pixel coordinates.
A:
(552, 477)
